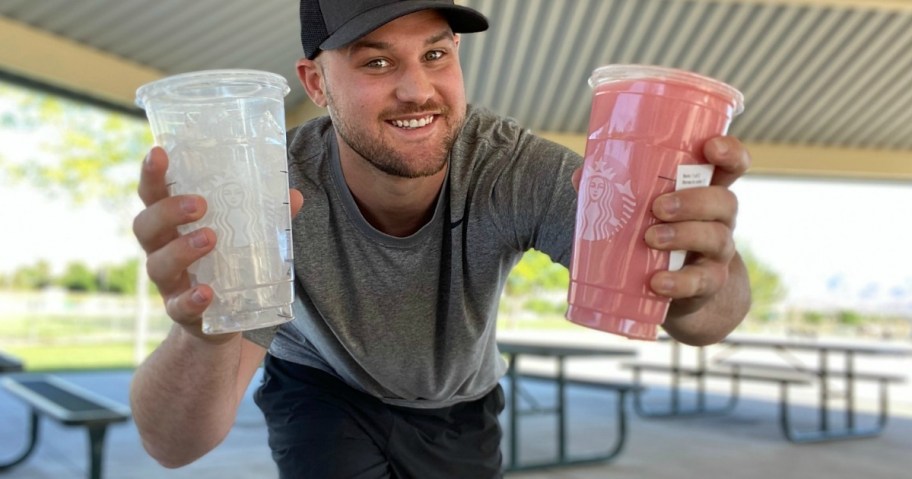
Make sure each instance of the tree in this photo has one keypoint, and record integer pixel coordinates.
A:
(121, 278)
(89, 154)
(536, 272)
(37, 276)
(767, 289)
(78, 277)
(813, 318)
(850, 318)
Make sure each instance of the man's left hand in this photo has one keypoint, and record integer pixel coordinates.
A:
(700, 221)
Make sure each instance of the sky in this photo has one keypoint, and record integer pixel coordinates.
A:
(837, 241)
(38, 227)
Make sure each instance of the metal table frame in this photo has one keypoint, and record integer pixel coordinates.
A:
(785, 348)
(825, 349)
(560, 353)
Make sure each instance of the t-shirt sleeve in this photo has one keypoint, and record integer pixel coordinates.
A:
(537, 196)
(261, 337)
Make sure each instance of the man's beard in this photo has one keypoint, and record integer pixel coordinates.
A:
(383, 156)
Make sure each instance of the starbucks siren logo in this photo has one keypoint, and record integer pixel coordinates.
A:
(608, 199)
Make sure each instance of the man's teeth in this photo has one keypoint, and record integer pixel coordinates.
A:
(414, 123)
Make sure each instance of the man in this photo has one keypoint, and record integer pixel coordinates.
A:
(415, 207)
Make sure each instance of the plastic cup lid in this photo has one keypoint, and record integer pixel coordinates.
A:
(614, 73)
(209, 78)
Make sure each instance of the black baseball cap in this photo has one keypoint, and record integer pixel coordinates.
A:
(329, 24)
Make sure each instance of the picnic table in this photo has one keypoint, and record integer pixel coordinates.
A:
(787, 369)
(561, 353)
(9, 364)
(64, 402)
(824, 370)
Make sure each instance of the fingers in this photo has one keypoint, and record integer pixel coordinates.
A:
(167, 265)
(156, 226)
(730, 157)
(709, 239)
(297, 201)
(152, 185)
(167, 268)
(701, 279)
(187, 308)
(168, 253)
(713, 203)
(576, 178)
(700, 221)
(710, 248)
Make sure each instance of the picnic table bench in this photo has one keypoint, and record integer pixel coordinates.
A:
(68, 404)
(9, 364)
(561, 378)
(735, 374)
(793, 371)
(822, 377)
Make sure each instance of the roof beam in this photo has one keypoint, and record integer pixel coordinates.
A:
(804, 161)
(59, 65)
(890, 5)
(62, 63)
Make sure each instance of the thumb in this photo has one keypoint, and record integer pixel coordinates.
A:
(577, 176)
(296, 200)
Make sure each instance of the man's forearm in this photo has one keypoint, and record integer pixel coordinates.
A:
(184, 397)
(700, 322)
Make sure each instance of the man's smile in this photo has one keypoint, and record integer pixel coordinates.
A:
(413, 123)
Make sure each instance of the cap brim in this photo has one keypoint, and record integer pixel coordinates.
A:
(461, 20)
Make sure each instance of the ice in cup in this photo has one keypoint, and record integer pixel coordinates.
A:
(224, 132)
(647, 128)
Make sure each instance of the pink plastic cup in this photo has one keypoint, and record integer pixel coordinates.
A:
(647, 128)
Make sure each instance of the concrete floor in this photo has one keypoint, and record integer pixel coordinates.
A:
(741, 445)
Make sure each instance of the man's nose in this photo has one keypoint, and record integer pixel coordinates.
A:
(415, 85)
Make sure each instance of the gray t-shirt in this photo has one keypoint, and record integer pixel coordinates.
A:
(412, 320)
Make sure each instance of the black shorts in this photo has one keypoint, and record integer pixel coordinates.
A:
(321, 428)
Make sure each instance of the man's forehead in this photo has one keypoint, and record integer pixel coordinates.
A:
(380, 44)
(428, 22)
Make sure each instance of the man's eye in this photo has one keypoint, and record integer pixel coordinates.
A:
(377, 63)
(433, 55)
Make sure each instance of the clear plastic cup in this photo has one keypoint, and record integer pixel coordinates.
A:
(647, 128)
(224, 132)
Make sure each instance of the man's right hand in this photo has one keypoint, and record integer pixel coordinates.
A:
(169, 253)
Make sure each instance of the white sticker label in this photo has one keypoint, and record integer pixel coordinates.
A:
(689, 176)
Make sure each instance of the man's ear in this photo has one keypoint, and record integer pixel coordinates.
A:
(311, 76)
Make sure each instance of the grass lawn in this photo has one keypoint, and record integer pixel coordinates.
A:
(71, 357)
(63, 342)
(536, 322)
(119, 355)
(60, 342)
